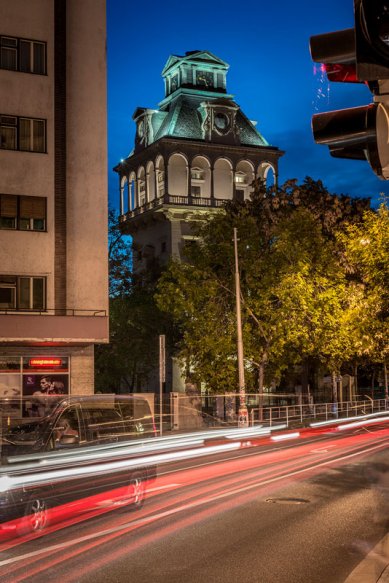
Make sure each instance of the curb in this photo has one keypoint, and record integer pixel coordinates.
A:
(375, 566)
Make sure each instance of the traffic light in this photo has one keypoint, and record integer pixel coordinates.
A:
(358, 55)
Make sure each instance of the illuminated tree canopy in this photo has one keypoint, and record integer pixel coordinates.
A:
(298, 299)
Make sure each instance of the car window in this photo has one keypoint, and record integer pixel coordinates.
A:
(137, 417)
(67, 431)
(103, 423)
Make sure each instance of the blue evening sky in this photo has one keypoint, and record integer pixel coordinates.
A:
(271, 75)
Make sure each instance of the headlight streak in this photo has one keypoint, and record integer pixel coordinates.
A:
(5, 483)
(141, 447)
(128, 526)
(45, 472)
(346, 419)
(361, 423)
(285, 436)
(143, 454)
(103, 468)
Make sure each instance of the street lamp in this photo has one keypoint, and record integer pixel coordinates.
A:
(243, 420)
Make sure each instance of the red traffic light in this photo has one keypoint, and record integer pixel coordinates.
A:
(359, 54)
(341, 73)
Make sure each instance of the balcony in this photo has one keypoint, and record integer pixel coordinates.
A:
(173, 200)
(54, 327)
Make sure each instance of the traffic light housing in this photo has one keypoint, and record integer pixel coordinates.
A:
(372, 39)
(358, 55)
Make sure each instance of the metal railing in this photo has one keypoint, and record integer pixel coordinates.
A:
(179, 200)
(319, 412)
(186, 412)
(54, 312)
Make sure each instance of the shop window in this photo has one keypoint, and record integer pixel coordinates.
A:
(22, 293)
(27, 56)
(22, 133)
(26, 213)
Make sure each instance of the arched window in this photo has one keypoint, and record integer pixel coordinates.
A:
(244, 177)
(267, 172)
(141, 186)
(150, 181)
(178, 175)
(131, 191)
(222, 179)
(200, 177)
(123, 206)
(160, 176)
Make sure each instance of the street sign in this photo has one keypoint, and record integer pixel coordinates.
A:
(162, 363)
(243, 417)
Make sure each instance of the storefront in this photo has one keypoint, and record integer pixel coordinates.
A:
(24, 379)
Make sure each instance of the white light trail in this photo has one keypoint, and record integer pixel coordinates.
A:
(285, 436)
(17, 480)
(346, 419)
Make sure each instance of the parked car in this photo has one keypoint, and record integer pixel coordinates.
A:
(84, 449)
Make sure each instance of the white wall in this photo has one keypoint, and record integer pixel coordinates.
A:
(24, 173)
(87, 190)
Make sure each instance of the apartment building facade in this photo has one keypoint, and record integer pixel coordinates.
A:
(53, 193)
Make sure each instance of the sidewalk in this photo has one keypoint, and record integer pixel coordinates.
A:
(375, 566)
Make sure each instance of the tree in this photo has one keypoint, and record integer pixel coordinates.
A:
(119, 259)
(127, 362)
(366, 256)
(294, 297)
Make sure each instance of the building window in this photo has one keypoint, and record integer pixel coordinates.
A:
(22, 293)
(8, 132)
(26, 213)
(197, 173)
(18, 54)
(239, 195)
(240, 178)
(9, 53)
(22, 133)
(197, 179)
(161, 182)
(142, 192)
(163, 247)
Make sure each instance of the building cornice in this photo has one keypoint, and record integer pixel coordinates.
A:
(183, 144)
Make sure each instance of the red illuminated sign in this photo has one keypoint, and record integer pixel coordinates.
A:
(42, 362)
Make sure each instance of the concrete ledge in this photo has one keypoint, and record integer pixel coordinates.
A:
(375, 566)
(42, 329)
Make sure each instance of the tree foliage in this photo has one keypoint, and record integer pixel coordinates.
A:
(127, 362)
(366, 249)
(296, 300)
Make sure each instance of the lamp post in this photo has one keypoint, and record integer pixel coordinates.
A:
(243, 413)
(162, 378)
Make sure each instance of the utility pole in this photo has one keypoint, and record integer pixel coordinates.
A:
(243, 413)
(162, 378)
